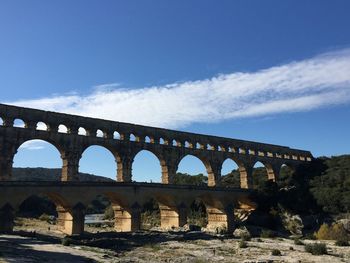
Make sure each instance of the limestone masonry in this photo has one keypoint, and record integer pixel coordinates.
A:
(124, 141)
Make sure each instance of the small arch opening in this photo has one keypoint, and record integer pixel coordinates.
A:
(241, 151)
(187, 144)
(132, 137)
(19, 123)
(147, 139)
(62, 128)
(161, 141)
(1, 122)
(82, 131)
(174, 143)
(198, 145)
(41, 126)
(116, 135)
(99, 133)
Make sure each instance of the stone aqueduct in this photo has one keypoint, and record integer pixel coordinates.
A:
(124, 141)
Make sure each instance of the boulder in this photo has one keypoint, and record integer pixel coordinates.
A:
(292, 223)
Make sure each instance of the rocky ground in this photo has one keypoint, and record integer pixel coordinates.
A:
(45, 246)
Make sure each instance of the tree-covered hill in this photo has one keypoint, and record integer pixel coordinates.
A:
(47, 174)
(331, 188)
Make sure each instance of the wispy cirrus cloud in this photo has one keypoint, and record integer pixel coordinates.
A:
(293, 87)
(33, 145)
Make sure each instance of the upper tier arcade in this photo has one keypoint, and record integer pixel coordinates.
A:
(72, 134)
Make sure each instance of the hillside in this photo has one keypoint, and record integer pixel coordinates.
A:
(47, 174)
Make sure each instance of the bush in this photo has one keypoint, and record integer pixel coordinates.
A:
(66, 241)
(267, 234)
(334, 232)
(342, 243)
(259, 240)
(109, 213)
(243, 244)
(276, 252)
(298, 242)
(316, 248)
(310, 236)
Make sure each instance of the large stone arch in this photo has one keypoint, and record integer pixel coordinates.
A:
(22, 141)
(212, 177)
(70, 216)
(108, 149)
(220, 213)
(173, 210)
(162, 162)
(272, 170)
(244, 171)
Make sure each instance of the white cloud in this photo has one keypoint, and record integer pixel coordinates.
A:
(33, 145)
(298, 86)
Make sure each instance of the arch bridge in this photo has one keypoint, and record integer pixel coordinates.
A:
(72, 134)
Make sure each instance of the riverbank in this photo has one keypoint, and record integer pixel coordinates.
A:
(106, 246)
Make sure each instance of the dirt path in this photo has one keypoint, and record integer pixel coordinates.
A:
(25, 249)
(14, 248)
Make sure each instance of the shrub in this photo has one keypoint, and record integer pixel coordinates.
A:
(243, 244)
(259, 240)
(66, 241)
(291, 248)
(316, 248)
(267, 234)
(276, 252)
(334, 232)
(109, 213)
(342, 243)
(298, 242)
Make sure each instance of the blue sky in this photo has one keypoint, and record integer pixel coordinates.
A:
(268, 71)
